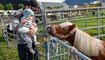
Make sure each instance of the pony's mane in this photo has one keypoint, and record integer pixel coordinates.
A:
(65, 24)
(87, 44)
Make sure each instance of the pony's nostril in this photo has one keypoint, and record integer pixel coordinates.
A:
(49, 30)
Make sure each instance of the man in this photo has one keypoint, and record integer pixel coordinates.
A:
(23, 51)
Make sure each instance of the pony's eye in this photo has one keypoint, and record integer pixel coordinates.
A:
(63, 29)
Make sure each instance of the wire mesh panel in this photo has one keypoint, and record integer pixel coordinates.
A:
(62, 51)
(9, 35)
(58, 51)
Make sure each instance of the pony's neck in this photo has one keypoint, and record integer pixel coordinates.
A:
(87, 44)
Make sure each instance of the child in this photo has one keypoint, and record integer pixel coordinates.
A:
(26, 25)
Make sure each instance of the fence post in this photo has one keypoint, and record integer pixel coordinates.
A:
(1, 23)
(7, 39)
(98, 23)
(44, 32)
(86, 19)
(47, 51)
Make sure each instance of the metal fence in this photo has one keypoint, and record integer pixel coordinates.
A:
(60, 50)
(87, 19)
(90, 20)
(84, 18)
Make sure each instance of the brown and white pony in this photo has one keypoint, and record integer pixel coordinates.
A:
(86, 44)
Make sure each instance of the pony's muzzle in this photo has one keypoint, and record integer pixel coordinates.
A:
(48, 29)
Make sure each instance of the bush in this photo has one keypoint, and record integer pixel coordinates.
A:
(20, 6)
(9, 6)
(1, 7)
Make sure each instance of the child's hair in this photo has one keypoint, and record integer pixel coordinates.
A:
(28, 12)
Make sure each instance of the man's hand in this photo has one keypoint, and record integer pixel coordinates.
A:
(32, 31)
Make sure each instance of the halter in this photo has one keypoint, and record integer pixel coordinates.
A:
(60, 35)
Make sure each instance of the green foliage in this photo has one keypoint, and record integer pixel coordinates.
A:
(1, 7)
(48, 7)
(2, 14)
(20, 6)
(9, 6)
(55, 7)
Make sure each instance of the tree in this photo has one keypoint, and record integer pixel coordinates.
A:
(9, 6)
(1, 7)
(20, 6)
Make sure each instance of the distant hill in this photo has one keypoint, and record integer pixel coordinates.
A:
(78, 2)
(14, 2)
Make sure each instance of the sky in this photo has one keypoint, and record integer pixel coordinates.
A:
(50, 0)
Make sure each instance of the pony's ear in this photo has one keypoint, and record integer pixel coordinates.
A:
(72, 26)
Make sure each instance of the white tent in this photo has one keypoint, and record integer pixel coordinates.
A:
(59, 1)
(44, 3)
(95, 2)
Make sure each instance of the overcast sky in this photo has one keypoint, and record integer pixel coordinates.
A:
(50, 0)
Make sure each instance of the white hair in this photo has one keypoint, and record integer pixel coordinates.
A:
(87, 44)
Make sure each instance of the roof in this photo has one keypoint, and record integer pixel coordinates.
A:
(50, 0)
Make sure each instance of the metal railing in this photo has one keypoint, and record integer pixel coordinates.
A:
(61, 51)
(46, 49)
(87, 18)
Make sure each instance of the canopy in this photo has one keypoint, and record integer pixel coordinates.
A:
(50, 0)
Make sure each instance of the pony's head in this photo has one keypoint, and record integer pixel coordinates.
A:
(61, 31)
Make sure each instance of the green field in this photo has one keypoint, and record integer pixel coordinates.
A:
(7, 53)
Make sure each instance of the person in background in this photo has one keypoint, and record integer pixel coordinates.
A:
(23, 51)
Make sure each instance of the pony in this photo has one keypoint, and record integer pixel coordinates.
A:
(82, 41)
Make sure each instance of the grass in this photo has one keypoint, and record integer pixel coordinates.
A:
(91, 23)
(7, 53)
